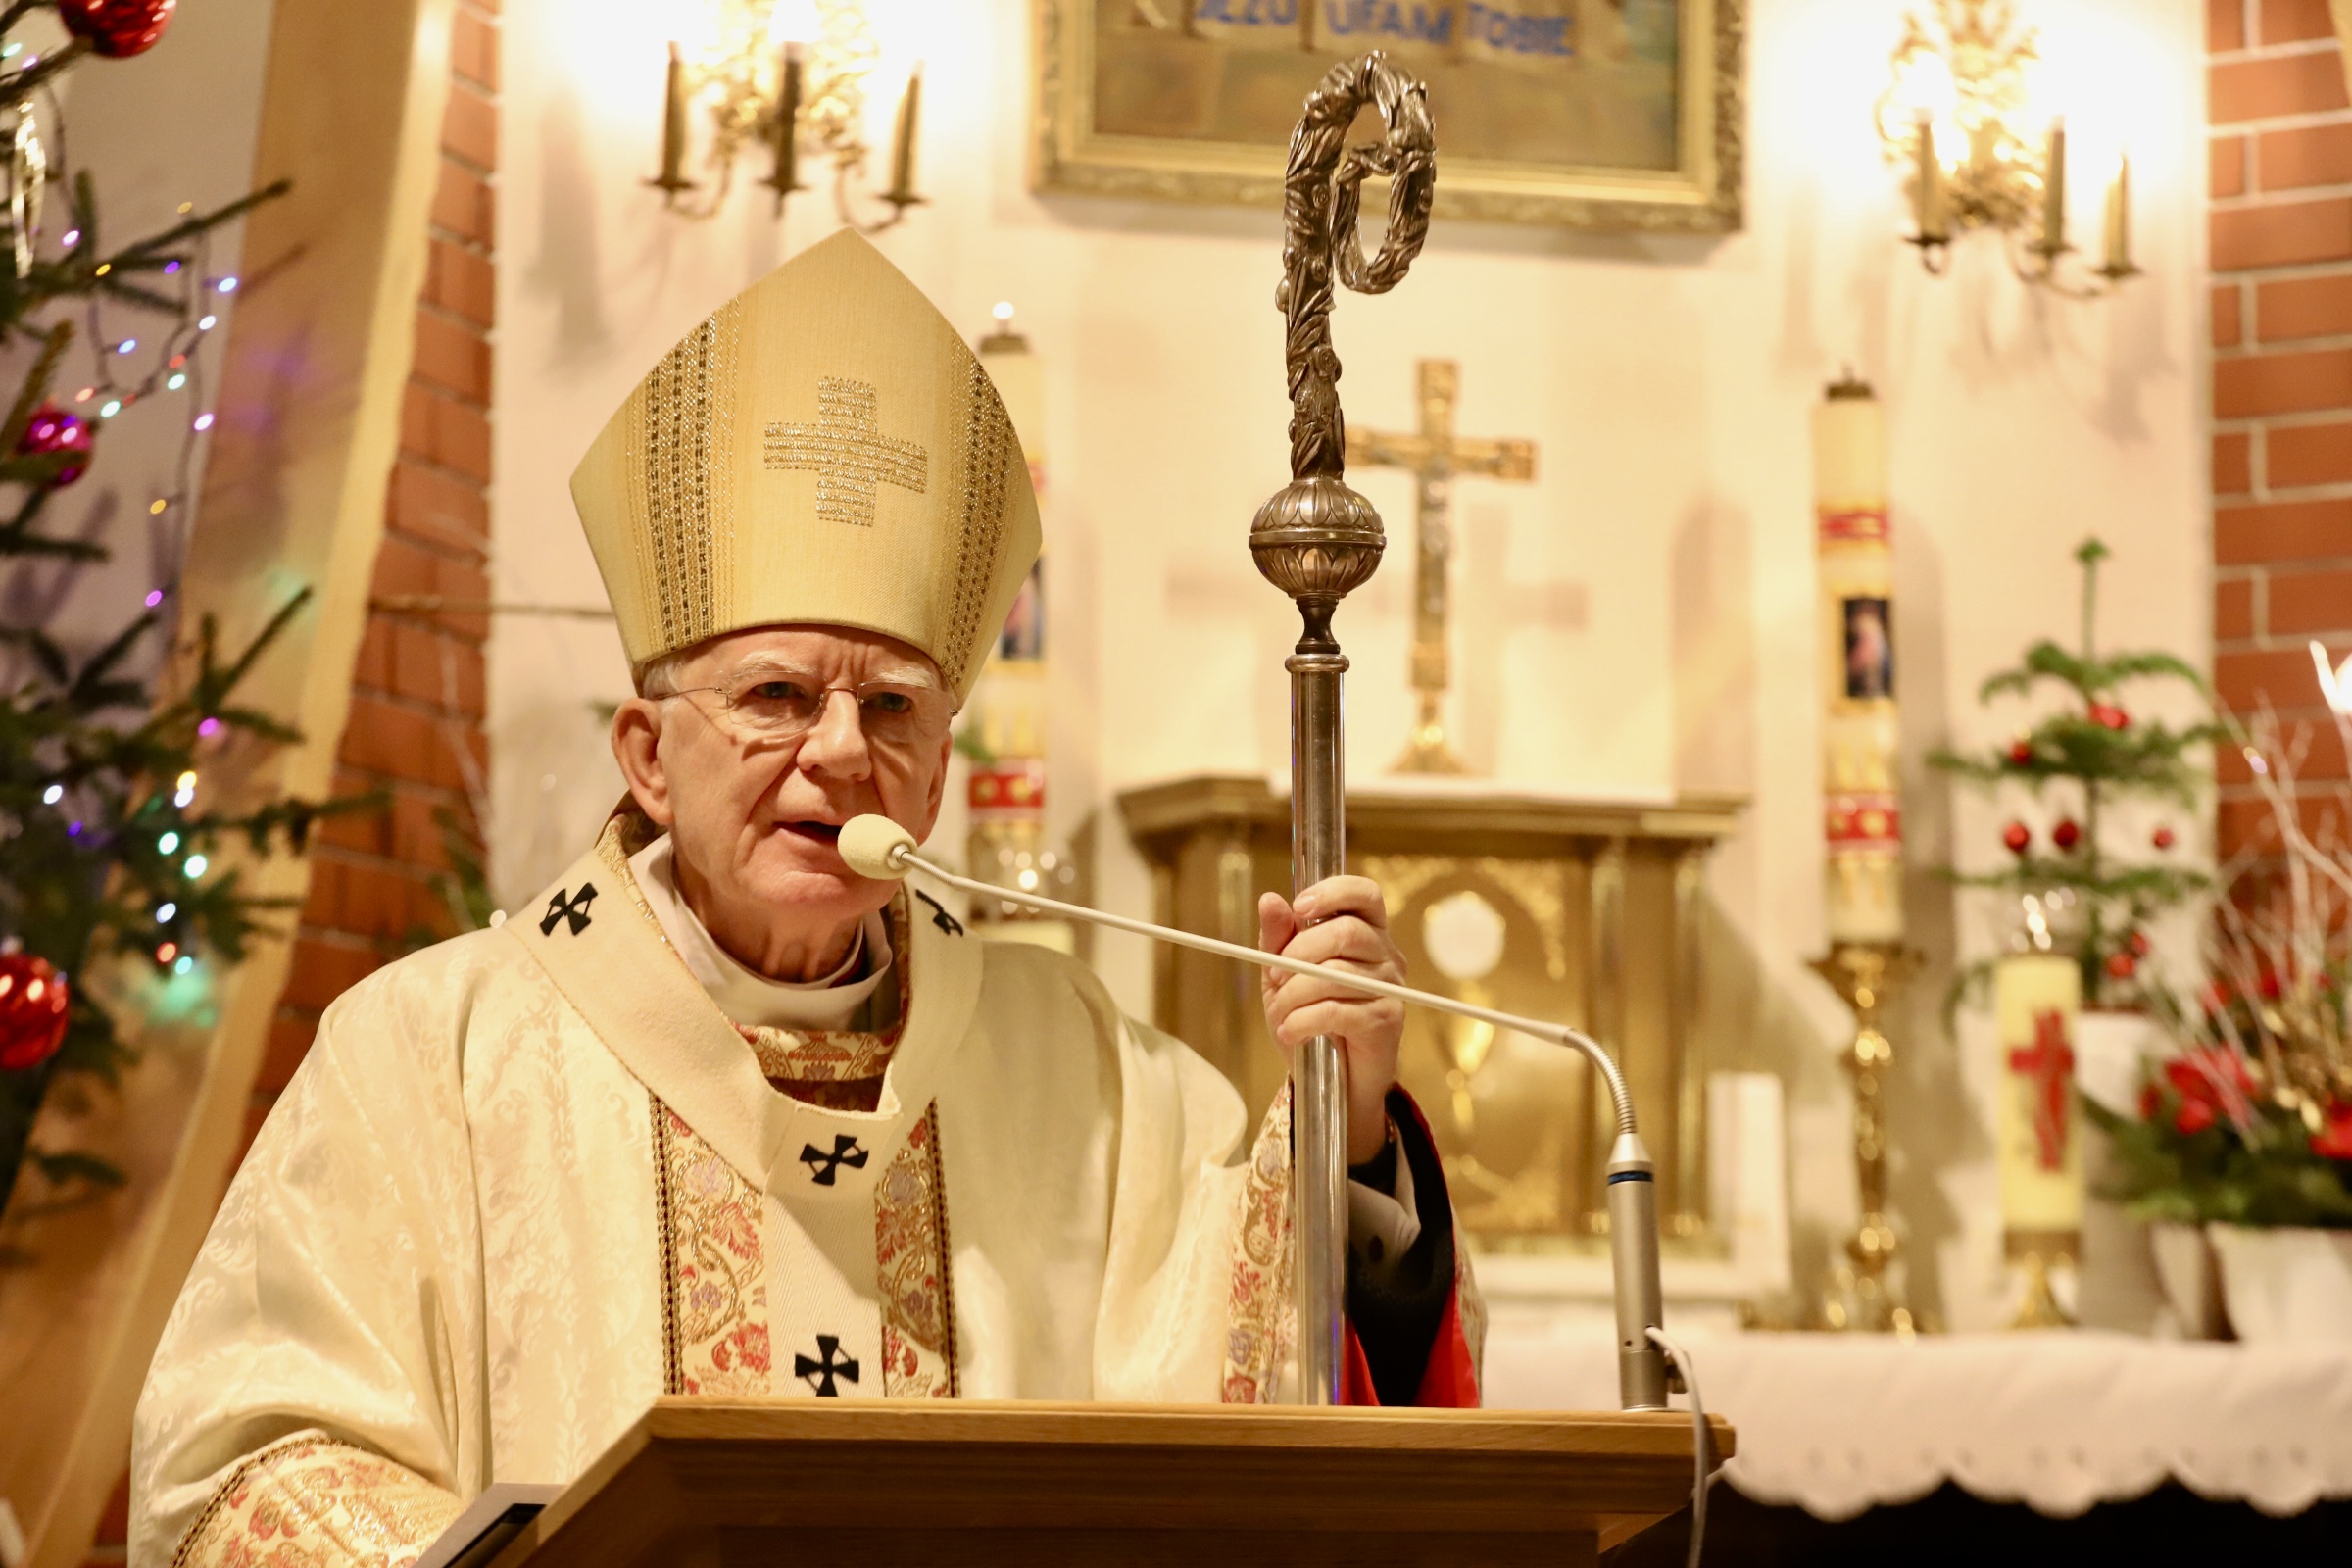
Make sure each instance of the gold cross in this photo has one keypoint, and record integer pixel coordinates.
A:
(1436, 457)
(847, 452)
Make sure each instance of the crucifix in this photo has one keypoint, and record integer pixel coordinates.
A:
(1436, 457)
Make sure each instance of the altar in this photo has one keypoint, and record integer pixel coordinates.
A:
(2058, 1421)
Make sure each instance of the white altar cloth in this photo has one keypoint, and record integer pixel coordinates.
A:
(2059, 1420)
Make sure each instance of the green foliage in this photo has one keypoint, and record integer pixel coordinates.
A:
(2097, 753)
(98, 839)
(2265, 1173)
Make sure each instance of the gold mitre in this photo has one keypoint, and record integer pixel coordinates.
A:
(823, 449)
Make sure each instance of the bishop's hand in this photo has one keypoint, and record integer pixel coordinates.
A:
(1344, 922)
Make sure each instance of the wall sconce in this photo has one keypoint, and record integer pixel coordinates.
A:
(766, 83)
(1955, 115)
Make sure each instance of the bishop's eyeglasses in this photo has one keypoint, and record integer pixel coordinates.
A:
(775, 702)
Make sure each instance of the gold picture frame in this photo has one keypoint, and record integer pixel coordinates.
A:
(1192, 101)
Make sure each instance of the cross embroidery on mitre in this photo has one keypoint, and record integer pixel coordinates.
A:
(847, 452)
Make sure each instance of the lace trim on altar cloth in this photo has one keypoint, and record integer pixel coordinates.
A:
(714, 1325)
(1260, 1321)
(308, 1500)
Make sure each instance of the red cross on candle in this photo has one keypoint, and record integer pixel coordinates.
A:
(2050, 1063)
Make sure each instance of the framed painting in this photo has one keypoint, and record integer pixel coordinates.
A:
(1614, 114)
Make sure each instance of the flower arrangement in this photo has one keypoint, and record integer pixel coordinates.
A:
(2251, 1122)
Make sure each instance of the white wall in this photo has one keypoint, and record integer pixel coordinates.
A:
(1655, 584)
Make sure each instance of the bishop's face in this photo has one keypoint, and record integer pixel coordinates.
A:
(764, 744)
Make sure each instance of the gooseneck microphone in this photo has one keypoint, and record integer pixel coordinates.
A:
(878, 848)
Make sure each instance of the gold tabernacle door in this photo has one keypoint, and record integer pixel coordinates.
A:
(715, 1482)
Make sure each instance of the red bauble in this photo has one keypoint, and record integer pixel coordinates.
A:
(2017, 838)
(2110, 717)
(2121, 966)
(55, 429)
(117, 29)
(2139, 943)
(2021, 751)
(32, 1011)
(2067, 834)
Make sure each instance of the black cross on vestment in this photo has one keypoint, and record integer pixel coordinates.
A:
(823, 1167)
(940, 917)
(568, 907)
(819, 1370)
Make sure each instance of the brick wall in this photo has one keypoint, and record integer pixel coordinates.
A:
(2281, 240)
(415, 729)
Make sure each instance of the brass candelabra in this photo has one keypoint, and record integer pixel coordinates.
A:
(1865, 1294)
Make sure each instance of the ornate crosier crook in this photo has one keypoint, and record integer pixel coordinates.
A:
(1319, 541)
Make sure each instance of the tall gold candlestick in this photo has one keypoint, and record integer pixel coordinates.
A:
(1865, 1293)
(902, 151)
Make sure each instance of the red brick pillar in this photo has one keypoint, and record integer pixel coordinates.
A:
(415, 736)
(2280, 235)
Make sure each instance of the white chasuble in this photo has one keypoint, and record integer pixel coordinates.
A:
(530, 1179)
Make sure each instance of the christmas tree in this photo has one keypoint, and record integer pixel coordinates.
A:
(108, 841)
(2092, 899)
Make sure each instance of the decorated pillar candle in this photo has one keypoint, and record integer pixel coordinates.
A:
(1006, 715)
(1862, 815)
(2037, 1124)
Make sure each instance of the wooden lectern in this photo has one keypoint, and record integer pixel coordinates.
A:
(706, 1483)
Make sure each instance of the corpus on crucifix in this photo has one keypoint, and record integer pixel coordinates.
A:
(1436, 457)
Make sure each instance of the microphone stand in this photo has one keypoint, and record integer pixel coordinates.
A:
(1643, 1375)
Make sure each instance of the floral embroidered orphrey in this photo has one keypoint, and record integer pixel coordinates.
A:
(714, 1296)
(308, 1500)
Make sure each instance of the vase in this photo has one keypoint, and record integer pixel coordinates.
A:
(2119, 1282)
(2192, 1279)
(2288, 1284)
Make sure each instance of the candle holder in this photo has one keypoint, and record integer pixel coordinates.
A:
(788, 97)
(1954, 116)
(1864, 1294)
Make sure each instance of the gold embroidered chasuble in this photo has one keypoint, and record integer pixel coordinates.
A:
(529, 1179)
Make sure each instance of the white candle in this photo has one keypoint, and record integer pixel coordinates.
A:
(2119, 219)
(1862, 799)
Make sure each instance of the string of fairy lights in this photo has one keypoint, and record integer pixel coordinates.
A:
(174, 364)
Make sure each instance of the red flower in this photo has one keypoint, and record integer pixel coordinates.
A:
(2212, 1083)
(2334, 1140)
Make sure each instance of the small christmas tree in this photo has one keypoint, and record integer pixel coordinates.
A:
(2097, 753)
(107, 837)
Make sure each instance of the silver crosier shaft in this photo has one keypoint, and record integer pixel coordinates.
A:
(1319, 541)
(878, 848)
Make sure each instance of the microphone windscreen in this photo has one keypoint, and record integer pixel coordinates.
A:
(870, 846)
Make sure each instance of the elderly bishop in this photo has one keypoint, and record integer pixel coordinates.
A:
(713, 1116)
